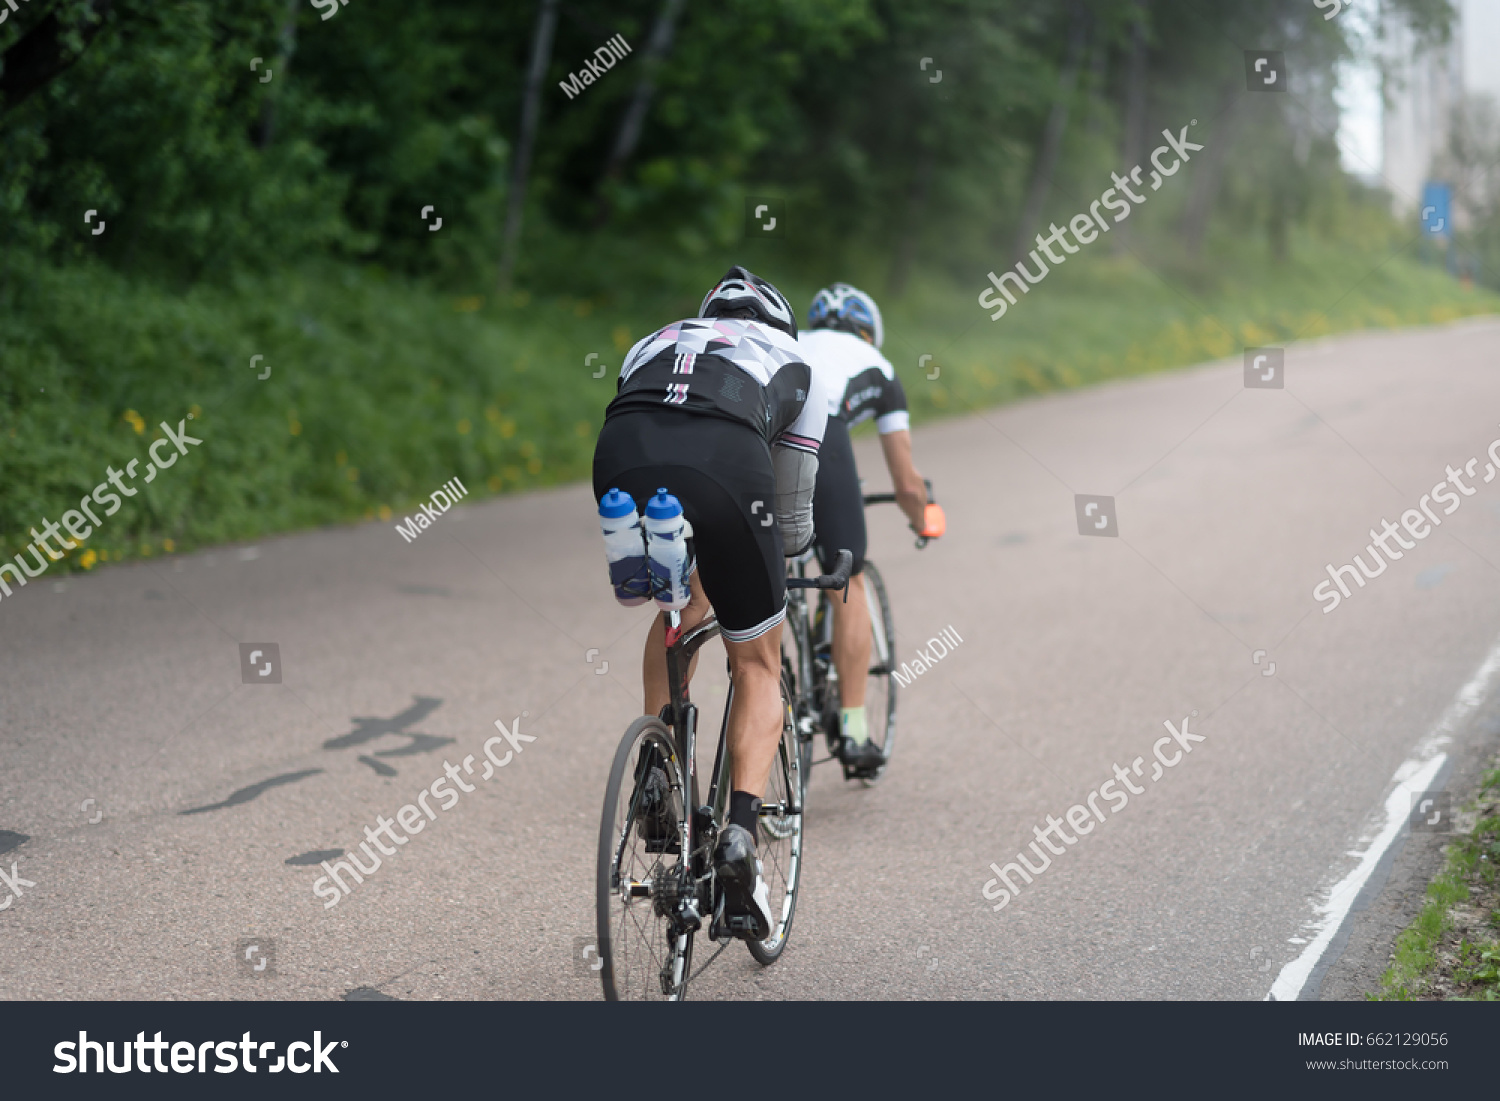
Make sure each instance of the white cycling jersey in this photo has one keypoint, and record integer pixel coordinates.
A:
(740, 369)
(859, 381)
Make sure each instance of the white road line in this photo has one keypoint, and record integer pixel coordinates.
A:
(1415, 774)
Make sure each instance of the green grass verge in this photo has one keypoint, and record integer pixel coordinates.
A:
(381, 389)
(1452, 949)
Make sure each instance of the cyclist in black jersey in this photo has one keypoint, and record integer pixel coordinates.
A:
(842, 345)
(722, 410)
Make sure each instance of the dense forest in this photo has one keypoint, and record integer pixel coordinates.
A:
(426, 205)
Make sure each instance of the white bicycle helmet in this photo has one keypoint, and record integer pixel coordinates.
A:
(741, 290)
(847, 309)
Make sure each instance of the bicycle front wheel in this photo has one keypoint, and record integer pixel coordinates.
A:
(645, 947)
(880, 688)
(779, 844)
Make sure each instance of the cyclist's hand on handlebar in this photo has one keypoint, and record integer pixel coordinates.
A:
(934, 521)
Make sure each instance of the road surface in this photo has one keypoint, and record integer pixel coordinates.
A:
(175, 816)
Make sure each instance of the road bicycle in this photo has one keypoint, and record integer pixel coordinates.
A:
(807, 662)
(656, 881)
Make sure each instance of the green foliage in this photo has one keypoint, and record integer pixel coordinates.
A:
(1430, 958)
(382, 388)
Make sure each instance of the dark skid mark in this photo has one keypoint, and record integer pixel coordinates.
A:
(420, 743)
(9, 839)
(380, 767)
(367, 729)
(317, 856)
(367, 994)
(244, 795)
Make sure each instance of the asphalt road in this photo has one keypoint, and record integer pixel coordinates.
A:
(124, 687)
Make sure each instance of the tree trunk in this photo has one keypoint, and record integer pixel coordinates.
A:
(40, 55)
(1211, 169)
(906, 249)
(631, 124)
(1135, 110)
(283, 66)
(1057, 123)
(541, 54)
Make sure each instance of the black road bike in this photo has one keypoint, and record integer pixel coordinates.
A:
(807, 662)
(656, 880)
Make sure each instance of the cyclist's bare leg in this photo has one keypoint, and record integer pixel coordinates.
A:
(654, 662)
(755, 718)
(852, 642)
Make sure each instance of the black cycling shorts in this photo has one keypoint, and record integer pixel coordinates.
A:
(838, 503)
(721, 472)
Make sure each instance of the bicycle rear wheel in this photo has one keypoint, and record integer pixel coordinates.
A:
(645, 949)
(880, 688)
(779, 840)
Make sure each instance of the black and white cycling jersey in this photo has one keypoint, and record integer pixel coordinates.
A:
(860, 382)
(739, 369)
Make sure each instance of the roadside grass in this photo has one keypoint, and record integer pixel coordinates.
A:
(381, 388)
(1452, 950)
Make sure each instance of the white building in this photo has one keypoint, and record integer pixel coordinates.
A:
(1423, 86)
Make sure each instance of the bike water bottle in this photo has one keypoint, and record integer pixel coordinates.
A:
(625, 548)
(666, 549)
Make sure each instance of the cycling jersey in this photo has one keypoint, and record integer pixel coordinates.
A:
(737, 369)
(861, 383)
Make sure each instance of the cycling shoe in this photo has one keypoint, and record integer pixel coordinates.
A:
(860, 757)
(745, 892)
(657, 823)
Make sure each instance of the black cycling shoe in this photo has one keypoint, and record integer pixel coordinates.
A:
(745, 894)
(860, 758)
(657, 824)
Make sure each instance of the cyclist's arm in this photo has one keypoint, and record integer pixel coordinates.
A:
(892, 422)
(794, 458)
(911, 493)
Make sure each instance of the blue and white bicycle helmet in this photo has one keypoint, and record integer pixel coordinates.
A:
(741, 290)
(847, 309)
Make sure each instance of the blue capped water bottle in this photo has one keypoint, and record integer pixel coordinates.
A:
(666, 550)
(625, 548)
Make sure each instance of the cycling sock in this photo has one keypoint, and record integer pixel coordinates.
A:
(744, 810)
(852, 724)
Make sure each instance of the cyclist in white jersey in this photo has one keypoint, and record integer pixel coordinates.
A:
(841, 344)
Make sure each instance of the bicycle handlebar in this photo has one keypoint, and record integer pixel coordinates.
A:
(838, 579)
(890, 499)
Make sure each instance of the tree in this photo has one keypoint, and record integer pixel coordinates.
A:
(541, 54)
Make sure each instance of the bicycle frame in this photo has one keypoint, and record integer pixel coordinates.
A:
(682, 646)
